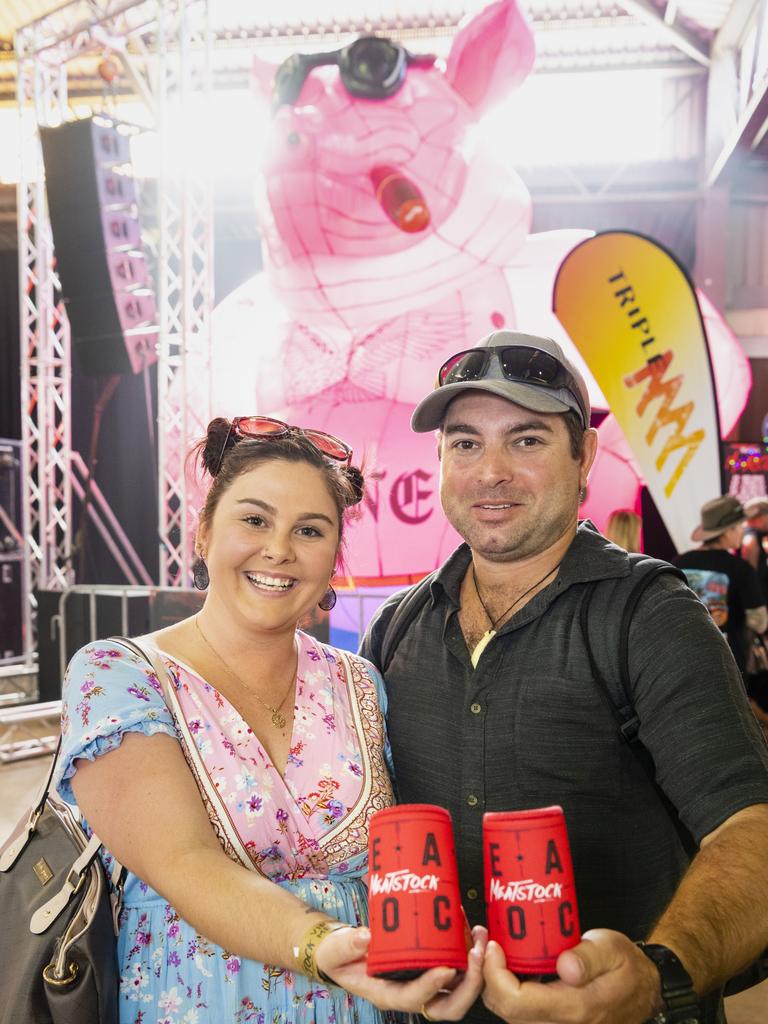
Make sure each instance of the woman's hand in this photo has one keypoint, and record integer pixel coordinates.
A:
(446, 994)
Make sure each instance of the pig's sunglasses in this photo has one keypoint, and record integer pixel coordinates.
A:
(372, 68)
(262, 428)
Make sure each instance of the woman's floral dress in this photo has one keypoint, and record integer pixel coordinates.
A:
(306, 831)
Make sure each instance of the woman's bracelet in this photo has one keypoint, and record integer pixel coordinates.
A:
(306, 952)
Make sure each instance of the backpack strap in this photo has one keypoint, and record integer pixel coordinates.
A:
(625, 715)
(656, 570)
(628, 723)
(411, 603)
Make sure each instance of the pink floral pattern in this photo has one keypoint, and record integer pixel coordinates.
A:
(305, 829)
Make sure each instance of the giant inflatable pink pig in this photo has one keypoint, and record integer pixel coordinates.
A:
(393, 239)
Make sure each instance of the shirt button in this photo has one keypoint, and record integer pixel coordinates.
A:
(472, 894)
(475, 708)
(472, 800)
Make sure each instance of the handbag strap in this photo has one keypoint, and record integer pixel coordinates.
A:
(13, 850)
(45, 915)
(218, 812)
(225, 828)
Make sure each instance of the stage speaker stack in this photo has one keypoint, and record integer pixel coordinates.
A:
(11, 558)
(103, 270)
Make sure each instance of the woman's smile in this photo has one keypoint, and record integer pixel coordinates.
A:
(270, 583)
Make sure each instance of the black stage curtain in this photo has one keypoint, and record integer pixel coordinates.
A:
(10, 346)
(126, 466)
(126, 458)
(125, 469)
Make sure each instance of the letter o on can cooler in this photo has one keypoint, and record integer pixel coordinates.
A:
(416, 918)
(529, 887)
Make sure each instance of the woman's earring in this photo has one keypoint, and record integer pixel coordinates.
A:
(200, 576)
(328, 600)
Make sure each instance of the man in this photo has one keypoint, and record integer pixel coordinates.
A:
(493, 706)
(753, 545)
(727, 585)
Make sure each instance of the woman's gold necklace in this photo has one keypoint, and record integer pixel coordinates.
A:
(278, 718)
(489, 634)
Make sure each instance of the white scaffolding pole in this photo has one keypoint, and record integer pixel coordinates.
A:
(186, 271)
(178, 62)
(45, 353)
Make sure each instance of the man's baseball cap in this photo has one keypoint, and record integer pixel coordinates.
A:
(526, 369)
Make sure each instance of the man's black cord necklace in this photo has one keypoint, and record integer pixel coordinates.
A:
(489, 634)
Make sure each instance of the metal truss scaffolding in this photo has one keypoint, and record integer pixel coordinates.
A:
(165, 48)
(45, 354)
(185, 269)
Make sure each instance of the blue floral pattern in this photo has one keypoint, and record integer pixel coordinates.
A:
(292, 825)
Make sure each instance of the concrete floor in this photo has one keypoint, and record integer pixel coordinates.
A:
(19, 780)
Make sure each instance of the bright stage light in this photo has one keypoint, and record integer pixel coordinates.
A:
(9, 153)
(223, 140)
(601, 117)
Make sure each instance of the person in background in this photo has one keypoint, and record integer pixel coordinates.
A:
(623, 527)
(245, 898)
(754, 544)
(493, 706)
(724, 582)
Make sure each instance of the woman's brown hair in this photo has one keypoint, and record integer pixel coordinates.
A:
(224, 455)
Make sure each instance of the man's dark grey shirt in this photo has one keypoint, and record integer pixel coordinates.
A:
(529, 728)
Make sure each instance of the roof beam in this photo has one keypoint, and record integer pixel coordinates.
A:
(670, 12)
(736, 20)
(737, 110)
(679, 36)
(747, 134)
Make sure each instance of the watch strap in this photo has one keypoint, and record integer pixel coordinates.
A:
(681, 1004)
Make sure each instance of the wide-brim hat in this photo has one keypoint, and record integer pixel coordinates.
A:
(430, 412)
(755, 507)
(717, 516)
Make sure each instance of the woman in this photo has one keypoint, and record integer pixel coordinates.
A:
(293, 742)
(623, 528)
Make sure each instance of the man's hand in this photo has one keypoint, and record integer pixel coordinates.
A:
(445, 993)
(606, 979)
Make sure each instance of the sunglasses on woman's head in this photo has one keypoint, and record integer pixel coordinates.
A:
(265, 427)
(517, 362)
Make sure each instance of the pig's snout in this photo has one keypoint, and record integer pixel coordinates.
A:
(400, 199)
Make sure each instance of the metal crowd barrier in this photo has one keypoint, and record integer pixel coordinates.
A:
(163, 607)
(86, 612)
(31, 729)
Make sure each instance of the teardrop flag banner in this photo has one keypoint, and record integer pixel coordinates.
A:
(631, 311)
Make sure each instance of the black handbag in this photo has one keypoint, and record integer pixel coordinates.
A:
(58, 951)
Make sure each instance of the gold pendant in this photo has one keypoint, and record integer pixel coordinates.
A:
(278, 720)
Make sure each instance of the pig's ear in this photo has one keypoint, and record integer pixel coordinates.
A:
(491, 55)
(263, 75)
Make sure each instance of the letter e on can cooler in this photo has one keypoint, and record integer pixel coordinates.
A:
(529, 887)
(416, 918)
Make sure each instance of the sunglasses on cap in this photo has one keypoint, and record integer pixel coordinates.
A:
(372, 68)
(518, 363)
(261, 428)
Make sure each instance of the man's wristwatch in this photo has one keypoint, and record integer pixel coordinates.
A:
(681, 1004)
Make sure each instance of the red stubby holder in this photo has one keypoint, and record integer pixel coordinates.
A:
(529, 887)
(416, 917)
